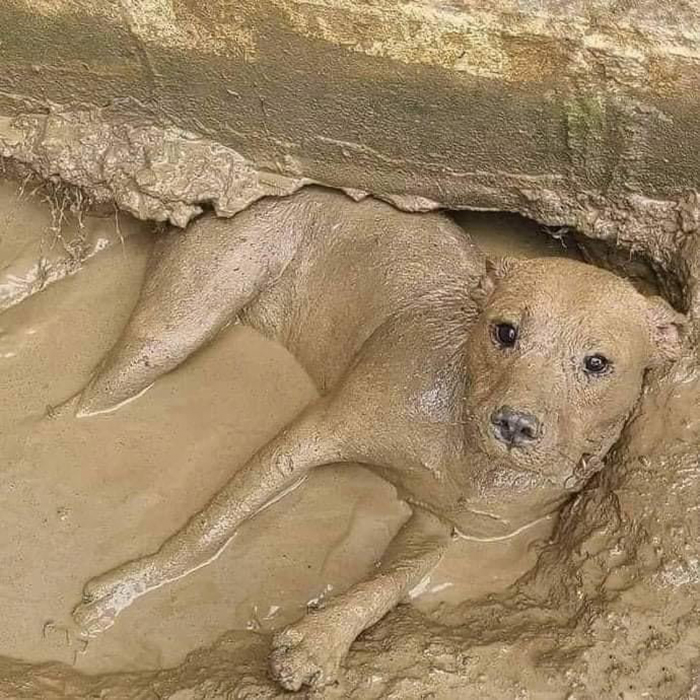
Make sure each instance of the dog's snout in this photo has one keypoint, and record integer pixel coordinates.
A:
(515, 428)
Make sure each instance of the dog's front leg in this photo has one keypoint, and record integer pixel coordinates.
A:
(310, 651)
(311, 441)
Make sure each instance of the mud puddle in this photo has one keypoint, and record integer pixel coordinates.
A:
(78, 496)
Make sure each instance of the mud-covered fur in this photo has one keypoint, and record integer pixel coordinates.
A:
(487, 393)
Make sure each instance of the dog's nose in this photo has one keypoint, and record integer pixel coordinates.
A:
(515, 428)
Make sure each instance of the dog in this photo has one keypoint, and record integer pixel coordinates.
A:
(486, 392)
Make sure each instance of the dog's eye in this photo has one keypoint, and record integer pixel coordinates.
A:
(596, 364)
(505, 334)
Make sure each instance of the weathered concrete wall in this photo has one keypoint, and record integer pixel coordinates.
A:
(581, 113)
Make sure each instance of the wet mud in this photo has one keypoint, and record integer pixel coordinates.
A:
(609, 590)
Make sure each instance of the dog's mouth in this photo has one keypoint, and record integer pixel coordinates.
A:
(540, 464)
(535, 466)
(521, 456)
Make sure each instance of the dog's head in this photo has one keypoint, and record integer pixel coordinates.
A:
(556, 361)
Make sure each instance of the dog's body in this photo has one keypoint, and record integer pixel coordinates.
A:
(408, 338)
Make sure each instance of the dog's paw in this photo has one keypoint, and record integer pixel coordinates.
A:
(307, 653)
(104, 597)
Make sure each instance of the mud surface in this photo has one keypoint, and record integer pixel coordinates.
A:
(608, 611)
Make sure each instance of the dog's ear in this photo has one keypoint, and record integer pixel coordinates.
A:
(496, 270)
(667, 330)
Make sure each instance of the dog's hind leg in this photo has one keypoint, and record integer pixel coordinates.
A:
(196, 282)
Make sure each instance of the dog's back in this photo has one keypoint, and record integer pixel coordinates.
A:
(356, 265)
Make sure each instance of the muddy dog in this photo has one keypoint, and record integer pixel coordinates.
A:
(486, 393)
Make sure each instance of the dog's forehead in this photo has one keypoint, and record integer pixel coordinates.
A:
(574, 297)
(570, 284)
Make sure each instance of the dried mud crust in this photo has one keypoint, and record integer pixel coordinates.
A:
(161, 174)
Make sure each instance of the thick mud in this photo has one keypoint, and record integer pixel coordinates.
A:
(79, 496)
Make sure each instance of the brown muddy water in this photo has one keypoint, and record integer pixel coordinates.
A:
(78, 496)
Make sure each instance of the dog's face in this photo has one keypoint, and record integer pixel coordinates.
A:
(556, 364)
